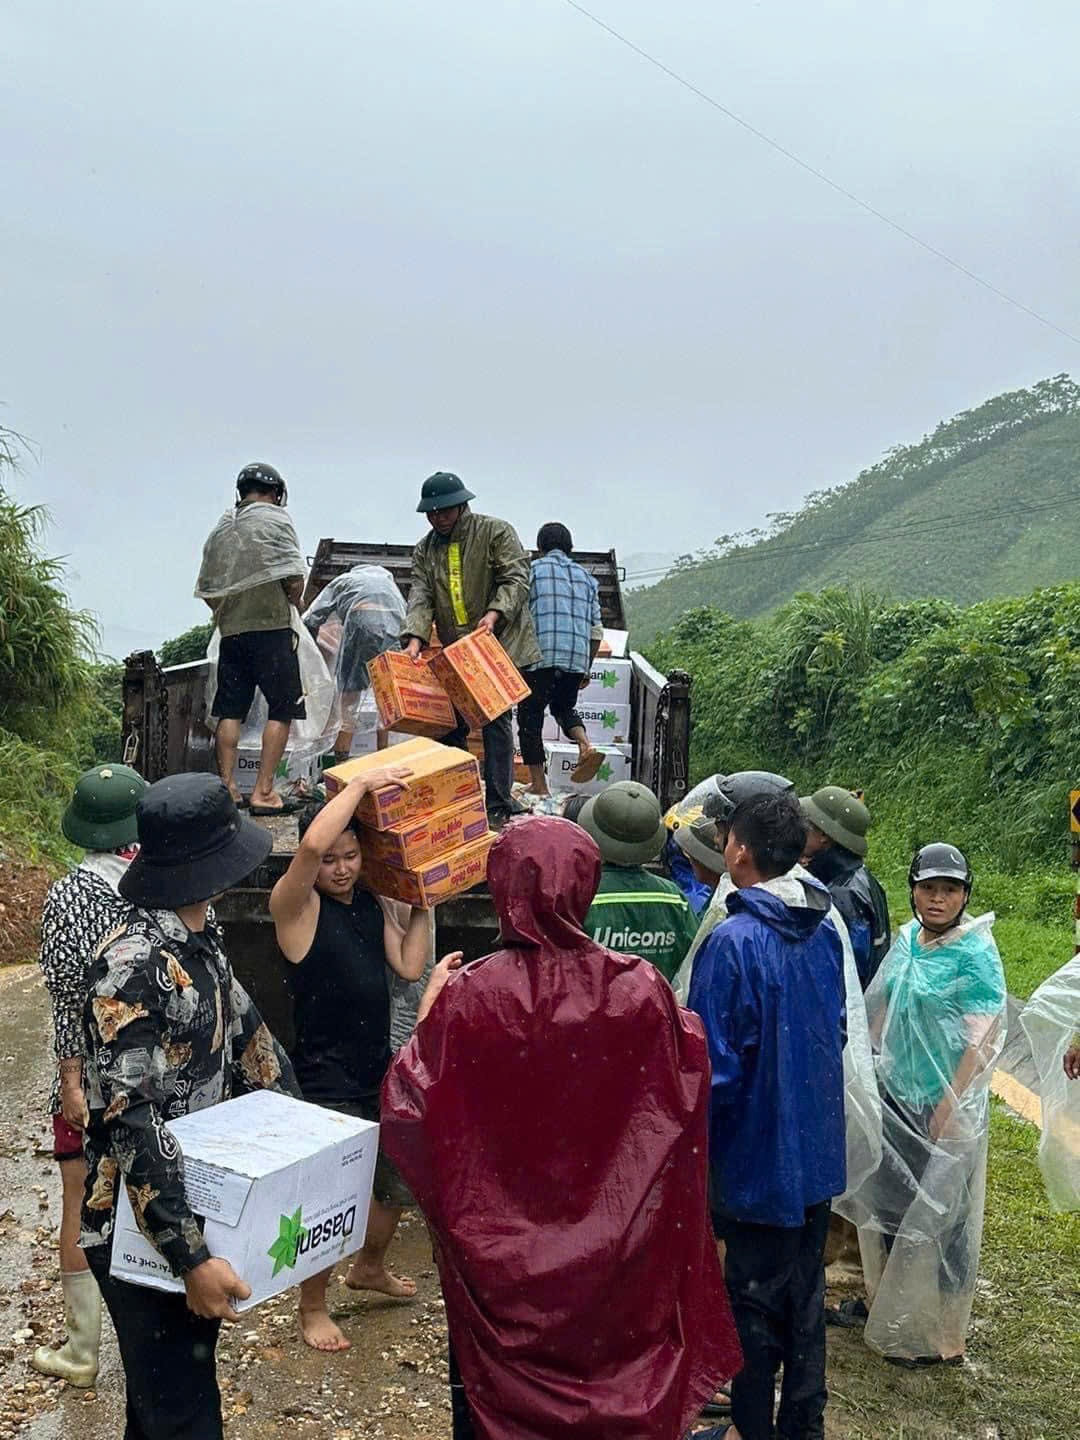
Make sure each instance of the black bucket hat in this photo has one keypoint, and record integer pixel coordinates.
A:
(193, 844)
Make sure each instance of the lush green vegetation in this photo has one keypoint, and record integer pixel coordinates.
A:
(957, 723)
(986, 505)
(59, 706)
(191, 645)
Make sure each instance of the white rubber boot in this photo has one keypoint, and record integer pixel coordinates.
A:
(76, 1361)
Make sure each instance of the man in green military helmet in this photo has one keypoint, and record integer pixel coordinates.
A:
(835, 853)
(635, 911)
(81, 910)
(471, 573)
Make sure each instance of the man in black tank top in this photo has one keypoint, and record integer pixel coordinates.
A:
(340, 939)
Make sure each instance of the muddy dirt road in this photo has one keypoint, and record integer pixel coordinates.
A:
(1020, 1381)
(391, 1384)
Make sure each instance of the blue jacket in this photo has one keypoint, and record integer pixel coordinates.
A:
(769, 985)
(697, 893)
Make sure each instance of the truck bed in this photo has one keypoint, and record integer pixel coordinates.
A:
(165, 731)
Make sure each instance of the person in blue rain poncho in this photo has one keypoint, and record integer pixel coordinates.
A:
(768, 983)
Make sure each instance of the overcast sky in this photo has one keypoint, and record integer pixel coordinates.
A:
(364, 241)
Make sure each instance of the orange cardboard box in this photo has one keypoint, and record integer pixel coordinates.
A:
(408, 696)
(479, 677)
(455, 872)
(416, 843)
(441, 777)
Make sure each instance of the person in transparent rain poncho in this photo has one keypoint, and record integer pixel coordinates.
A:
(355, 617)
(937, 1023)
(1051, 1021)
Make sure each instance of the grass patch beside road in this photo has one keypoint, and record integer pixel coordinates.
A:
(1022, 1377)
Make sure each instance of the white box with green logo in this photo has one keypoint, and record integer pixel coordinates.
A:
(284, 1187)
(248, 758)
(609, 683)
(604, 724)
(563, 760)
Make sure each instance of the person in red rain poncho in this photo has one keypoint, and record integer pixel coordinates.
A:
(550, 1115)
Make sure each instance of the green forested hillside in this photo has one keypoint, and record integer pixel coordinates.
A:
(960, 724)
(987, 505)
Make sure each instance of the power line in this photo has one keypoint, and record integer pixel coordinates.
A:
(820, 174)
(962, 520)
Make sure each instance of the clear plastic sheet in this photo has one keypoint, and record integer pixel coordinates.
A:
(356, 616)
(251, 545)
(308, 738)
(937, 1026)
(1051, 1021)
(862, 1104)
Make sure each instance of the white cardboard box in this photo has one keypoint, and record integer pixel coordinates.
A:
(284, 1187)
(604, 724)
(609, 683)
(247, 768)
(617, 642)
(563, 759)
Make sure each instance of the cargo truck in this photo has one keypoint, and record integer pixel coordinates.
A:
(165, 731)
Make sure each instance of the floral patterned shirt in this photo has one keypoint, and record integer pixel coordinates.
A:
(80, 911)
(168, 1031)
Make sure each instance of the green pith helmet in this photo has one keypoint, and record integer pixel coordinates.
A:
(442, 491)
(837, 813)
(702, 840)
(626, 822)
(101, 815)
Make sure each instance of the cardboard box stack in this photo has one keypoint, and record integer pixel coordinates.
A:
(479, 677)
(284, 1187)
(429, 841)
(408, 695)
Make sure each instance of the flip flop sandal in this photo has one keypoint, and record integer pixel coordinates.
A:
(920, 1361)
(588, 769)
(262, 812)
(849, 1314)
(717, 1406)
(714, 1432)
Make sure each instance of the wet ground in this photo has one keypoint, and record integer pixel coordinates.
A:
(1019, 1383)
(391, 1384)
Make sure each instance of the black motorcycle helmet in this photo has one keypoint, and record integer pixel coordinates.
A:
(938, 862)
(260, 476)
(732, 790)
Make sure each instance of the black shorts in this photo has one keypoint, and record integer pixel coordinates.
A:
(264, 660)
(389, 1187)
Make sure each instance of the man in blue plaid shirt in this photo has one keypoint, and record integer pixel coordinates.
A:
(565, 604)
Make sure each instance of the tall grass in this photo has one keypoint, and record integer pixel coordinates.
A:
(59, 707)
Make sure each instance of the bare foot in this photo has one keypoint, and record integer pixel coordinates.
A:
(367, 1277)
(271, 804)
(544, 794)
(320, 1332)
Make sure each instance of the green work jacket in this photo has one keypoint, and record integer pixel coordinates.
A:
(482, 560)
(638, 913)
